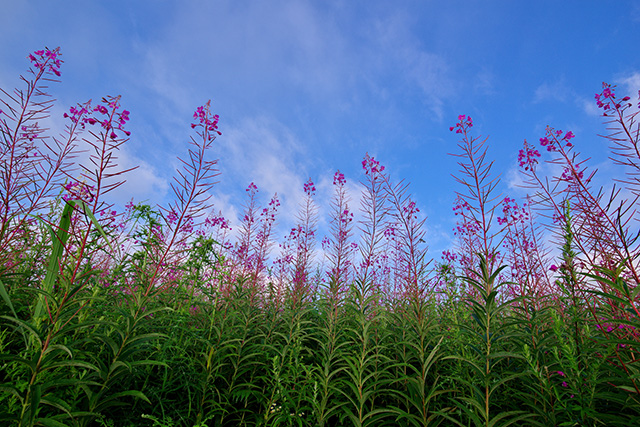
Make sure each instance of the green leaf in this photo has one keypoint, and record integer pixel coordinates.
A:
(58, 241)
(36, 394)
(51, 422)
(7, 300)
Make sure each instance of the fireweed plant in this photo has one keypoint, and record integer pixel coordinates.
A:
(157, 316)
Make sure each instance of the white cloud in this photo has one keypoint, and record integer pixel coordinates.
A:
(262, 151)
(556, 91)
(589, 106)
(632, 88)
(515, 180)
(401, 54)
(483, 82)
(143, 184)
(266, 49)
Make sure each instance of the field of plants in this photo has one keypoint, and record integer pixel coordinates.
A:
(161, 315)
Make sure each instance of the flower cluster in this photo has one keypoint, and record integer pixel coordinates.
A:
(269, 213)
(339, 179)
(81, 115)
(513, 213)
(562, 374)
(187, 225)
(46, 60)
(449, 257)
(252, 188)
(390, 233)
(298, 232)
(205, 119)
(79, 191)
(468, 225)
(217, 221)
(464, 123)
(172, 217)
(309, 188)
(610, 327)
(30, 132)
(121, 117)
(463, 204)
(325, 243)
(410, 210)
(551, 141)
(607, 99)
(527, 156)
(78, 115)
(371, 165)
(569, 174)
(346, 217)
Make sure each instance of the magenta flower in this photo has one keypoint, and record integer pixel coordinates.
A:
(205, 119)
(339, 179)
(172, 217)
(527, 157)
(79, 191)
(252, 188)
(46, 60)
(370, 165)
(553, 267)
(309, 188)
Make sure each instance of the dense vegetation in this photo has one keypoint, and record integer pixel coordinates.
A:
(163, 316)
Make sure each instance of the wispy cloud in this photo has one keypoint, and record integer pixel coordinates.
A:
(631, 82)
(143, 184)
(406, 59)
(265, 152)
(556, 91)
(484, 82)
(588, 106)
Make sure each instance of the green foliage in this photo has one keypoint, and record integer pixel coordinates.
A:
(232, 355)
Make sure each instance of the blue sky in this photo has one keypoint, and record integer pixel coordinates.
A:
(304, 88)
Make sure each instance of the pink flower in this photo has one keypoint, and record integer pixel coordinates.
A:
(527, 157)
(252, 188)
(46, 60)
(339, 179)
(554, 268)
(370, 165)
(78, 191)
(309, 188)
(205, 119)
(172, 217)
